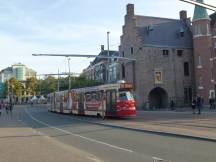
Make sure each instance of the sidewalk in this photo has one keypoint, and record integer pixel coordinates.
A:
(19, 143)
(177, 123)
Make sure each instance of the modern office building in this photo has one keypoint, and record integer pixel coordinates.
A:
(18, 71)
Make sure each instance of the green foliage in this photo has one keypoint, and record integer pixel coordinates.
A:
(81, 82)
(31, 85)
(45, 86)
(48, 85)
(15, 87)
(76, 82)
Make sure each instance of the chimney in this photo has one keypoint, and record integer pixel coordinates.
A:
(130, 9)
(183, 15)
(102, 48)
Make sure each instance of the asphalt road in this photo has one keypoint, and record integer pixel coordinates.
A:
(115, 145)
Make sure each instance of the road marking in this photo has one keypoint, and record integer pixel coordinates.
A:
(77, 135)
(92, 158)
(156, 159)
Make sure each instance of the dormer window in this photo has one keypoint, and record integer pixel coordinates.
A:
(182, 32)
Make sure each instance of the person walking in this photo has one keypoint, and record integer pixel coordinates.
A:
(6, 107)
(193, 104)
(211, 103)
(199, 104)
(172, 104)
(11, 107)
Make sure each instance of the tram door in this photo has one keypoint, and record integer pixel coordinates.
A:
(81, 104)
(110, 102)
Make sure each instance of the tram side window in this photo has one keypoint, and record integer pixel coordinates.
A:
(88, 97)
(99, 95)
(94, 97)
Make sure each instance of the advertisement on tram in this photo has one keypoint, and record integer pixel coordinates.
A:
(110, 100)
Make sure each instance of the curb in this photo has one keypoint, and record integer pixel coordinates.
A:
(163, 133)
(150, 131)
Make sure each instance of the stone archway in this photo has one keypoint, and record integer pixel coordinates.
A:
(158, 98)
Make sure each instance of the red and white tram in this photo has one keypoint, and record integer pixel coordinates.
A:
(104, 100)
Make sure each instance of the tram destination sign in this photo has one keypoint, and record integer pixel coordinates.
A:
(126, 86)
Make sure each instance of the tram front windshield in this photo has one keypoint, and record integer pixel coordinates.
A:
(125, 96)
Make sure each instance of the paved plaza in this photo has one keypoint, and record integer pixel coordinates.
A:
(32, 134)
(172, 122)
(21, 143)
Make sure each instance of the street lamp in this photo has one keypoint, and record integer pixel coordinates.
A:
(69, 79)
(58, 82)
(108, 54)
(108, 44)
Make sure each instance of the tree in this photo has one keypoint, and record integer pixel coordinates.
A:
(31, 85)
(48, 85)
(15, 87)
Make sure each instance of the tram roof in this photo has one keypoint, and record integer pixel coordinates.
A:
(98, 88)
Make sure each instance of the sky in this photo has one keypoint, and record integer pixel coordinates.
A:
(69, 26)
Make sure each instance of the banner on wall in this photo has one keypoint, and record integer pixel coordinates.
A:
(158, 77)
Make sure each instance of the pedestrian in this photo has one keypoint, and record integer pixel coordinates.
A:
(199, 104)
(193, 104)
(11, 107)
(172, 105)
(211, 103)
(6, 108)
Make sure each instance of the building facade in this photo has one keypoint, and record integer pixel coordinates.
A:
(175, 58)
(163, 49)
(103, 70)
(204, 53)
(18, 71)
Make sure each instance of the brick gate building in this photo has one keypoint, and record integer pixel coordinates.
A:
(174, 59)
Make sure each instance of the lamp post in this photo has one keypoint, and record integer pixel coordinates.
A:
(108, 54)
(69, 77)
(108, 43)
(58, 82)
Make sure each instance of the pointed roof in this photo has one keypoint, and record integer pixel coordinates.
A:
(200, 12)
